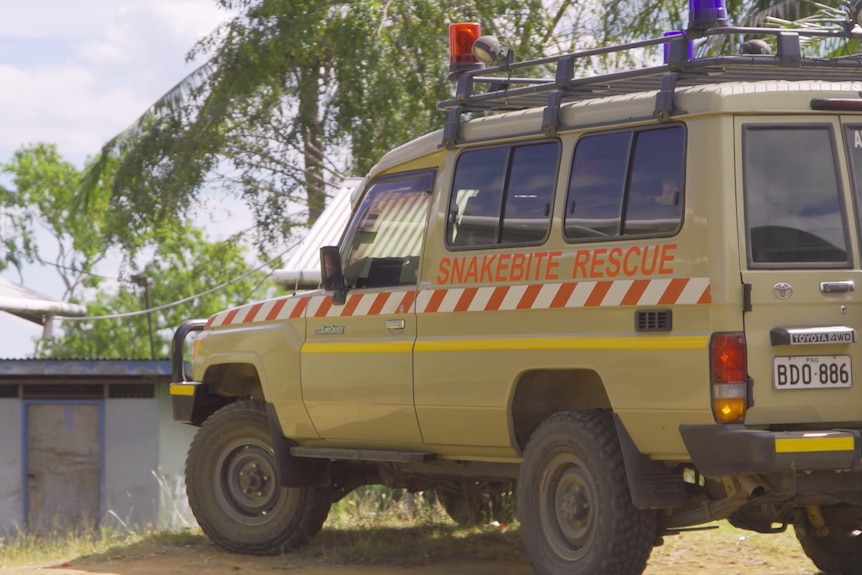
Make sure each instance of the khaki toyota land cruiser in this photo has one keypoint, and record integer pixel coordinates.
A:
(628, 298)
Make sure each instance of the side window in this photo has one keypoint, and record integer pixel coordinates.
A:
(853, 141)
(530, 193)
(626, 183)
(596, 186)
(793, 208)
(477, 197)
(384, 241)
(503, 195)
(655, 190)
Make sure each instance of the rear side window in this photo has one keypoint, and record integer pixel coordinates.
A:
(853, 142)
(793, 208)
(503, 195)
(626, 183)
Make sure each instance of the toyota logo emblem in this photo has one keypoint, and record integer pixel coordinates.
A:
(782, 290)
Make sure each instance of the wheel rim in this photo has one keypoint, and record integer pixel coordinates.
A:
(247, 486)
(568, 506)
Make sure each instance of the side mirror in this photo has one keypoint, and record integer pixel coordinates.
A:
(331, 276)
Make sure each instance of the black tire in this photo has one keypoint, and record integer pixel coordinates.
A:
(576, 512)
(233, 489)
(472, 504)
(838, 553)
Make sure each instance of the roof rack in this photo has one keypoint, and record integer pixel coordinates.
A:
(503, 89)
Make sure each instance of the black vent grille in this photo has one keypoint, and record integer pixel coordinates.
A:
(63, 391)
(8, 390)
(653, 320)
(131, 391)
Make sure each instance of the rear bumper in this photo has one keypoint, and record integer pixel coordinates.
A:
(720, 450)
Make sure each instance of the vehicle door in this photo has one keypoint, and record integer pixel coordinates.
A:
(497, 212)
(357, 366)
(801, 270)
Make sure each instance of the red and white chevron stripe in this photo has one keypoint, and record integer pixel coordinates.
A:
(642, 292)
(679, 291)
(289, 307)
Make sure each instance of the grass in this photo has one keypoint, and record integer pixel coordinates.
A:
(21, 549)
(375, 526)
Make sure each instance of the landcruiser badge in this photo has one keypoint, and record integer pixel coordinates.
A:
(782, 290)
(330, 330)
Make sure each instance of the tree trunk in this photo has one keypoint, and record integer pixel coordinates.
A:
(309, 116)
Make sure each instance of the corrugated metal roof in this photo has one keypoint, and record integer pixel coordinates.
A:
(91, 368)
(17, 299)
(302, 270)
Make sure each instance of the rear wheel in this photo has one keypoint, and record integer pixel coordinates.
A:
(233, 489)
(839, 550)
(576, 512)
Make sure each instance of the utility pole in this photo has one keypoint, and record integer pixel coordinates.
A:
(144, 281)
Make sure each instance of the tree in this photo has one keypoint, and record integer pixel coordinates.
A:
(296, 94)
(183, 265)
(781, 13)
(37, 226)
(35, 217)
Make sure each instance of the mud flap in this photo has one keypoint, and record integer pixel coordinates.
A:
(295, 471)
(651, 485)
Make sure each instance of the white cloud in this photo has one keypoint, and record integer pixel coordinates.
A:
(64, 106)
(54, 20)
(75, 73)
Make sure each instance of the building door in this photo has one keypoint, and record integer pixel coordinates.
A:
(63, 465)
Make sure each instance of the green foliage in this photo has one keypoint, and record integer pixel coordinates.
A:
(183, 264)
(297, 94)
(42, 200)
(178, 258)
(378, 504)
(786, 14)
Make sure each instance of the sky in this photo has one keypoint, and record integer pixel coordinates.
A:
(75, 73)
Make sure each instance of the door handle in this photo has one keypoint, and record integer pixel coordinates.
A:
(395, 324)
(837, 287)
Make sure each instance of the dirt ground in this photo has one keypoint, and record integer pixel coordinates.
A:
(725, 553)
(215, 562)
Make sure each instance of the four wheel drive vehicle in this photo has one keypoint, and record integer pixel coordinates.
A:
(631, 297)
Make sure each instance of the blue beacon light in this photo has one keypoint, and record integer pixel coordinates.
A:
(705, 14)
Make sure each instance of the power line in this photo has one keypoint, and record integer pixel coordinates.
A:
(42, 262)
(181, 301)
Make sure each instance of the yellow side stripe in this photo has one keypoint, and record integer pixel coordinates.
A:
(564, 343)
(813, 444)
(359, 347)
(512, 344)
(188, 390)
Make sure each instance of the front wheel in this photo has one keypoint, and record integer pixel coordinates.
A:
(233, 488)
(576, 512)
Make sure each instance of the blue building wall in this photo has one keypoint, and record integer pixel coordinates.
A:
(143, 449)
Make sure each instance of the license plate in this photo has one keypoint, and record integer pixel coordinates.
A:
(811, 372)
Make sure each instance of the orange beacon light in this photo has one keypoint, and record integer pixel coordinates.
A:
(461, 38)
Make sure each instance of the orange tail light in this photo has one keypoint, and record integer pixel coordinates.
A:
(729, 377)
